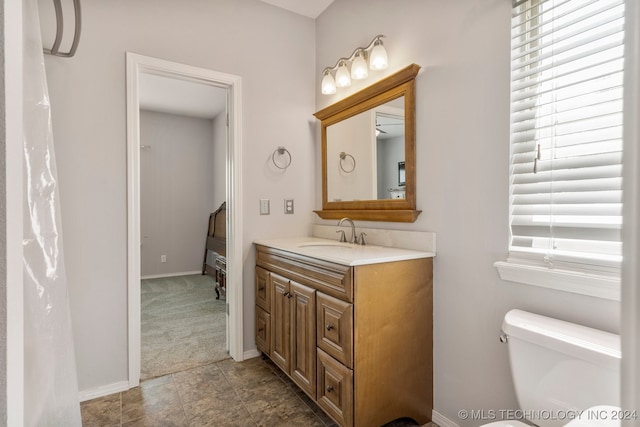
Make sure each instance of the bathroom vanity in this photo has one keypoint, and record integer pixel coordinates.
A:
(350, 325)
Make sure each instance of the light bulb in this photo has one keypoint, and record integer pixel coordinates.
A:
(328, 84)
(359, 67)
(378, 57)
(343, 79)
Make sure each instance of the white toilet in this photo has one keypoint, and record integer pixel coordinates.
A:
(563, 373)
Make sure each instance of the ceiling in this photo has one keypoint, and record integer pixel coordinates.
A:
(185, 98)
(389, 126)
(309, 8)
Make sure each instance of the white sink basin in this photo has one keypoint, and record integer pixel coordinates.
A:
(343, 253)
(326, 245)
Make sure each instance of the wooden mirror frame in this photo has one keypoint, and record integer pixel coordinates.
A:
(401, 83)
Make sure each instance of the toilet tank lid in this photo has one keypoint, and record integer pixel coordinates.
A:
(569, 338)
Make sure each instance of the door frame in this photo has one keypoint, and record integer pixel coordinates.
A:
(138, 64)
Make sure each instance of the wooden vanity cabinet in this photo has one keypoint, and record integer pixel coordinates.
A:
(293, 326)
(263, 309)
(357, 340)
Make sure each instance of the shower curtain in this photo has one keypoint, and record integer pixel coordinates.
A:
(50, 379)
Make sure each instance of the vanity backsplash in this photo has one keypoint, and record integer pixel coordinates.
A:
(404, 239)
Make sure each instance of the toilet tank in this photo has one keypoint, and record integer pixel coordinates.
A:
(559, 366)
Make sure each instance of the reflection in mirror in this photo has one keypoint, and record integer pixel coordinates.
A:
(390, 150)
(374, 142)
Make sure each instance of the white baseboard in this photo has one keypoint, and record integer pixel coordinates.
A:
(104, 390)
(441, 420)
(250, 354)
(160, 276)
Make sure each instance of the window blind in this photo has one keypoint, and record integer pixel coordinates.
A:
(566, 132)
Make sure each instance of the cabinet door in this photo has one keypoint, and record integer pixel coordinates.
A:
(263, 289)
(281, 322)
(303, 337)
(335, 328)
(263, 330)
(335, 389)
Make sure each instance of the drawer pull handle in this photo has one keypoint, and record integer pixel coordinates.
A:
(329, 327)
(261, 288)
(329, 389)
(261, 329)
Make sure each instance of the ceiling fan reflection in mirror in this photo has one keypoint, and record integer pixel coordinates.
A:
(389, 126)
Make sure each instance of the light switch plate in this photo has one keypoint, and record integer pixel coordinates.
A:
(264, 206)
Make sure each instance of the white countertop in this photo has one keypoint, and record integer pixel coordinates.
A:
(343, 253)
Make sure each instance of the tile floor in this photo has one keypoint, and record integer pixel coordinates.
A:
(227, 393)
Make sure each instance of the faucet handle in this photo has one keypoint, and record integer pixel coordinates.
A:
(343, 238)
(361, 241)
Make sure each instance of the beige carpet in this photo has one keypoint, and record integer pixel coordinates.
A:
(183, 325)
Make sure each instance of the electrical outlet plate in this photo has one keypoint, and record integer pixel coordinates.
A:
(288, 206)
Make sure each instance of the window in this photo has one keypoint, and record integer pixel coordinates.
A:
(566, 144)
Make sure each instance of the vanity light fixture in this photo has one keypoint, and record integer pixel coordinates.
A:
(343, 79)
(328, 83)
(359, 69)
(378, 60)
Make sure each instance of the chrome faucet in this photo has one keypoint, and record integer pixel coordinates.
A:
(354, 237)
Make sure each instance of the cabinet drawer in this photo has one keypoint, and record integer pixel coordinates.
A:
(263, 330)
(335, 328)
(263, 289)
(330, 278)
(335, 389)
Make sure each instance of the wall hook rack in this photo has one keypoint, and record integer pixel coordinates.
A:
(60, 30)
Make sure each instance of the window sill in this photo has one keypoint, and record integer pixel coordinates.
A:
(563, 280)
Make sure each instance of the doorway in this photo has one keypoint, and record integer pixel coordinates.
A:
(138, 68)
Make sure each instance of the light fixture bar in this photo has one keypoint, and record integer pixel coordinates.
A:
(357, 59)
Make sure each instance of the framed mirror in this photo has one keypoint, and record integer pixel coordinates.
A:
(368, 152)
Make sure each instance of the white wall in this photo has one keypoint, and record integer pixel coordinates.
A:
(631, 228)
(176, 191)
(462, 180)
(390, 152)
(219, 164)
(347, 180)
(3, 227)
(271, 49)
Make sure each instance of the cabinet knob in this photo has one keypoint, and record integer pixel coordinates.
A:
(261, 329)
(287, 294)
(329, 327)
(329, 389)
(261, 288)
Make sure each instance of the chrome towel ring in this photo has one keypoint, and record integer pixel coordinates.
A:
(282, 152)
(343, 156)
